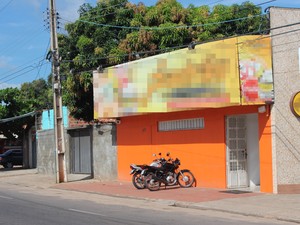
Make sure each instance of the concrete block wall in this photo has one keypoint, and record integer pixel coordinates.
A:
(105, 165)
(46, 162)
(46, 152)
(285, 125)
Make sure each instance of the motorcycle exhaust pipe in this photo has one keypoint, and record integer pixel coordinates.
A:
(154, 177)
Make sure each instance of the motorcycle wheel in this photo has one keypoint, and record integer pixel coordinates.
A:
(138, 181)
(185, 179)
(151, 183)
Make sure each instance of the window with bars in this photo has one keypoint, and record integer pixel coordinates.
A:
(185, 124)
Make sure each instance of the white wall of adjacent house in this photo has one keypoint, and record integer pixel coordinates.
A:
(285, 37)
(253, 150)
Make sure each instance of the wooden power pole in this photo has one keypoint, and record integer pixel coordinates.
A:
(61, 175)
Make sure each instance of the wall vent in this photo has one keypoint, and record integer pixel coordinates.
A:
(185, 124)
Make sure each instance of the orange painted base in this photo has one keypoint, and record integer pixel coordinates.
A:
(203, 151)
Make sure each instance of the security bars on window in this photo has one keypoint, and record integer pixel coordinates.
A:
(186, 124)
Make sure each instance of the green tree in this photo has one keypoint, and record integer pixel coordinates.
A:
(31, 97)
(113, 32)
(36, 95)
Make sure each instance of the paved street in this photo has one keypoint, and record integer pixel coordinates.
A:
(278, 207)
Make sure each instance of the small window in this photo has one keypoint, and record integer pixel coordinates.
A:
(186, 124)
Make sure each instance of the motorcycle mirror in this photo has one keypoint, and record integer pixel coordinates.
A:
(159, 153)
(154, 154)
(168, 153)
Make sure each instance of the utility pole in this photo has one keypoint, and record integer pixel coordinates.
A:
(61, 175)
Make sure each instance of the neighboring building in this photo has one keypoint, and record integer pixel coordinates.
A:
(88, 147)
(47, 119)
(285, 36)
(27, 142)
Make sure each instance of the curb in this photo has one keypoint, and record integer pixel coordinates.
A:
(181, 204)
(193, 206)
(171, 203)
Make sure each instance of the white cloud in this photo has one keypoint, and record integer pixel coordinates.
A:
(13, 24)
(68, 9)
(5, 61)
(35, 3)
(30, 47)
(5, 85)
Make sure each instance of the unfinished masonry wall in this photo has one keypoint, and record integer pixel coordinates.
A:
(46, 163)
(105, 165)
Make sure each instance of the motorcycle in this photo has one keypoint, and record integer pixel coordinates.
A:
(169, 174)
(136, 171)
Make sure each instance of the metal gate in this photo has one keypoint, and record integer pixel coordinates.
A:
(236, 152)
(80, 147)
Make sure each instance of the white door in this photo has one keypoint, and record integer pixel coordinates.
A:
(236, 152)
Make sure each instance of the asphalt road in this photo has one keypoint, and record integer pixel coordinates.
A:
(26, 205)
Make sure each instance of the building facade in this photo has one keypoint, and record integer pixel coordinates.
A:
(209, 106)
(285, 36)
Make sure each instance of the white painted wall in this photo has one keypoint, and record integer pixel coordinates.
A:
(253, 150)
(285, 125)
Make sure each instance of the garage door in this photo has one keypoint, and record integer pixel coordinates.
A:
(81, 159)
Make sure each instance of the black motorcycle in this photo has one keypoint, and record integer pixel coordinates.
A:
(138, 178)
(168, 174)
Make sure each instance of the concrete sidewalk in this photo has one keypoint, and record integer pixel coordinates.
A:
(280, 207)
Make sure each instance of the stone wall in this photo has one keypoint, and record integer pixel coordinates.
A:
(285, 125)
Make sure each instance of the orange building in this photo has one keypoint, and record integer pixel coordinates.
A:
(209, 106)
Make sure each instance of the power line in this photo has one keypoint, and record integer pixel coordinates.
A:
(274, 28)
(171, 27)
(23, 71)
(160, 28)
(196, 43)
(21, 41)
(265, 2)
(5, 6)
(27, 71)
(46, 51)
(216, 2)
(24, 66)
(108, 7)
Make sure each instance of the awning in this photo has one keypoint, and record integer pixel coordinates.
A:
(17, 117)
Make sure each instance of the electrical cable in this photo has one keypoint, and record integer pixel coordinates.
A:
(32, 68)
(171, 27)
(5, 6)
(21, 41)
(108, 7)
(265, 2)
(197, 43)
(274, 28)
(139, 28)
(25, 64)
(45, 54)
(216, 2)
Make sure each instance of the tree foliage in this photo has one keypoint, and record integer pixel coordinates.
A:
(31, 97)
(113, 32)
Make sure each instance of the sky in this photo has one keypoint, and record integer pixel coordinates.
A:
(25, 35)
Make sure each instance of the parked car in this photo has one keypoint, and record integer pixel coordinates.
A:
(11, 157)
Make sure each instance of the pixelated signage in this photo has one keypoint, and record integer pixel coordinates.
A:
(207, 76)
(255, 69)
